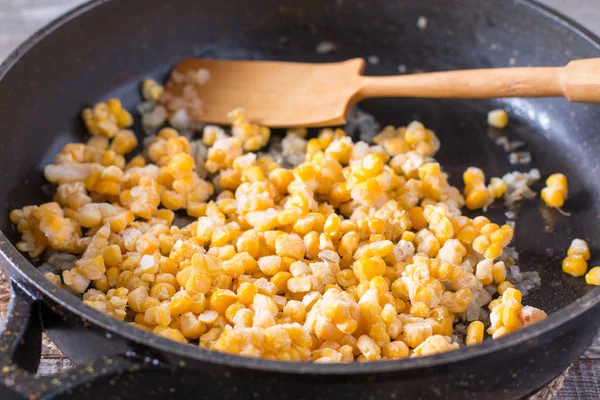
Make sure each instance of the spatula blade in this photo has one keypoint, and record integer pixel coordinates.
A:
(272, 93)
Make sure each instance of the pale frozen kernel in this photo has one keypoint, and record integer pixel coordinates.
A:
(498, 119)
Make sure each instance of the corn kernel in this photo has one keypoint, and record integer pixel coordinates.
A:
(474, 333)
(575, 266)
(580, 248)
(497, 119)
(503, 286)
(593, 276)
(367, 268)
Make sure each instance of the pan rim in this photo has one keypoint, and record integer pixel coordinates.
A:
(20, 269)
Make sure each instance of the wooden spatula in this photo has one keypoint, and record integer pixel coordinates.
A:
(285, 94)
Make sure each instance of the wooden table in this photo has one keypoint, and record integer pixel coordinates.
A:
(20, 18)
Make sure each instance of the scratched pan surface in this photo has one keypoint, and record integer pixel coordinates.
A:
(106, 48)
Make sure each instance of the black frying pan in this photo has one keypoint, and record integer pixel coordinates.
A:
(106, 48)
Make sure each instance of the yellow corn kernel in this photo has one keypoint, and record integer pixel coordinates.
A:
(280, 280)
(378, 333)
(191, 327)
(408, 236)
(180, 165)
(368, 348)
(158, 315)
(553, 197)
(332, 226)
(419, 309)
(499, 272)
(477, 198)
(246, 293)
(484, 271)
(181, 302)
(434, 345)
(480, 221)
(232, 310)
(376, 226)
(112, 274)
(459, 301)
(481, 243)
(151, 90)
(558, 181)
(395, 350)
(498, 187)
(239, 264)
(556, 191)
(107, 187)
(503, 286)
(474, 333)
(467, 235)
(124, 142)
(137, 161)
(512, 294)
(473, 176)
(339, 193)
(575, 266)
(100, 284)
(416, 333)
(112, 255)
(446, 325)
(253, 174)
(444, 272)
(290, 246)
(367, 268)
(417, 218)
(149, 302)
(400, 290)
(493, 251)
(92, 268)
(281, 178)
(495, 303)
(380, 284)
(502, 236)
(230, 179)
(53, 278)
(299, 284)
(580, 248)
(168, 266)
(379, 248)
(270, 265)
(511, 315)
(593, 276)
(347, 278)
(248, 242)
(497, 119)
(170, 333)
(221, 299)
(348, 244)
(311, 243)
(199, 303)
(197, 283)
(162, 291)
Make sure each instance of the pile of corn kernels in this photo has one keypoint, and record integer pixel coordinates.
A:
(359, 252)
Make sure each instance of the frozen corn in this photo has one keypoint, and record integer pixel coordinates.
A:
(556, 191)
(339, 251)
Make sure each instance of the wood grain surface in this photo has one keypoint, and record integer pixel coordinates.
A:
(21, 18)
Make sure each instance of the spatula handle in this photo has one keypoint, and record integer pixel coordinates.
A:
(579, 81)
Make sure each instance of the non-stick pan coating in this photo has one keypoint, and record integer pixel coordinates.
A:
(107, 50)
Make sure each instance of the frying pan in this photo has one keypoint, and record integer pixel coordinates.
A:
(105, 48)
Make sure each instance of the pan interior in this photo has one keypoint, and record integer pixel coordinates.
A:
(42, 95)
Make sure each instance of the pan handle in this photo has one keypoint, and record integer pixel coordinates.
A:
(20, 331)
(20, 351)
